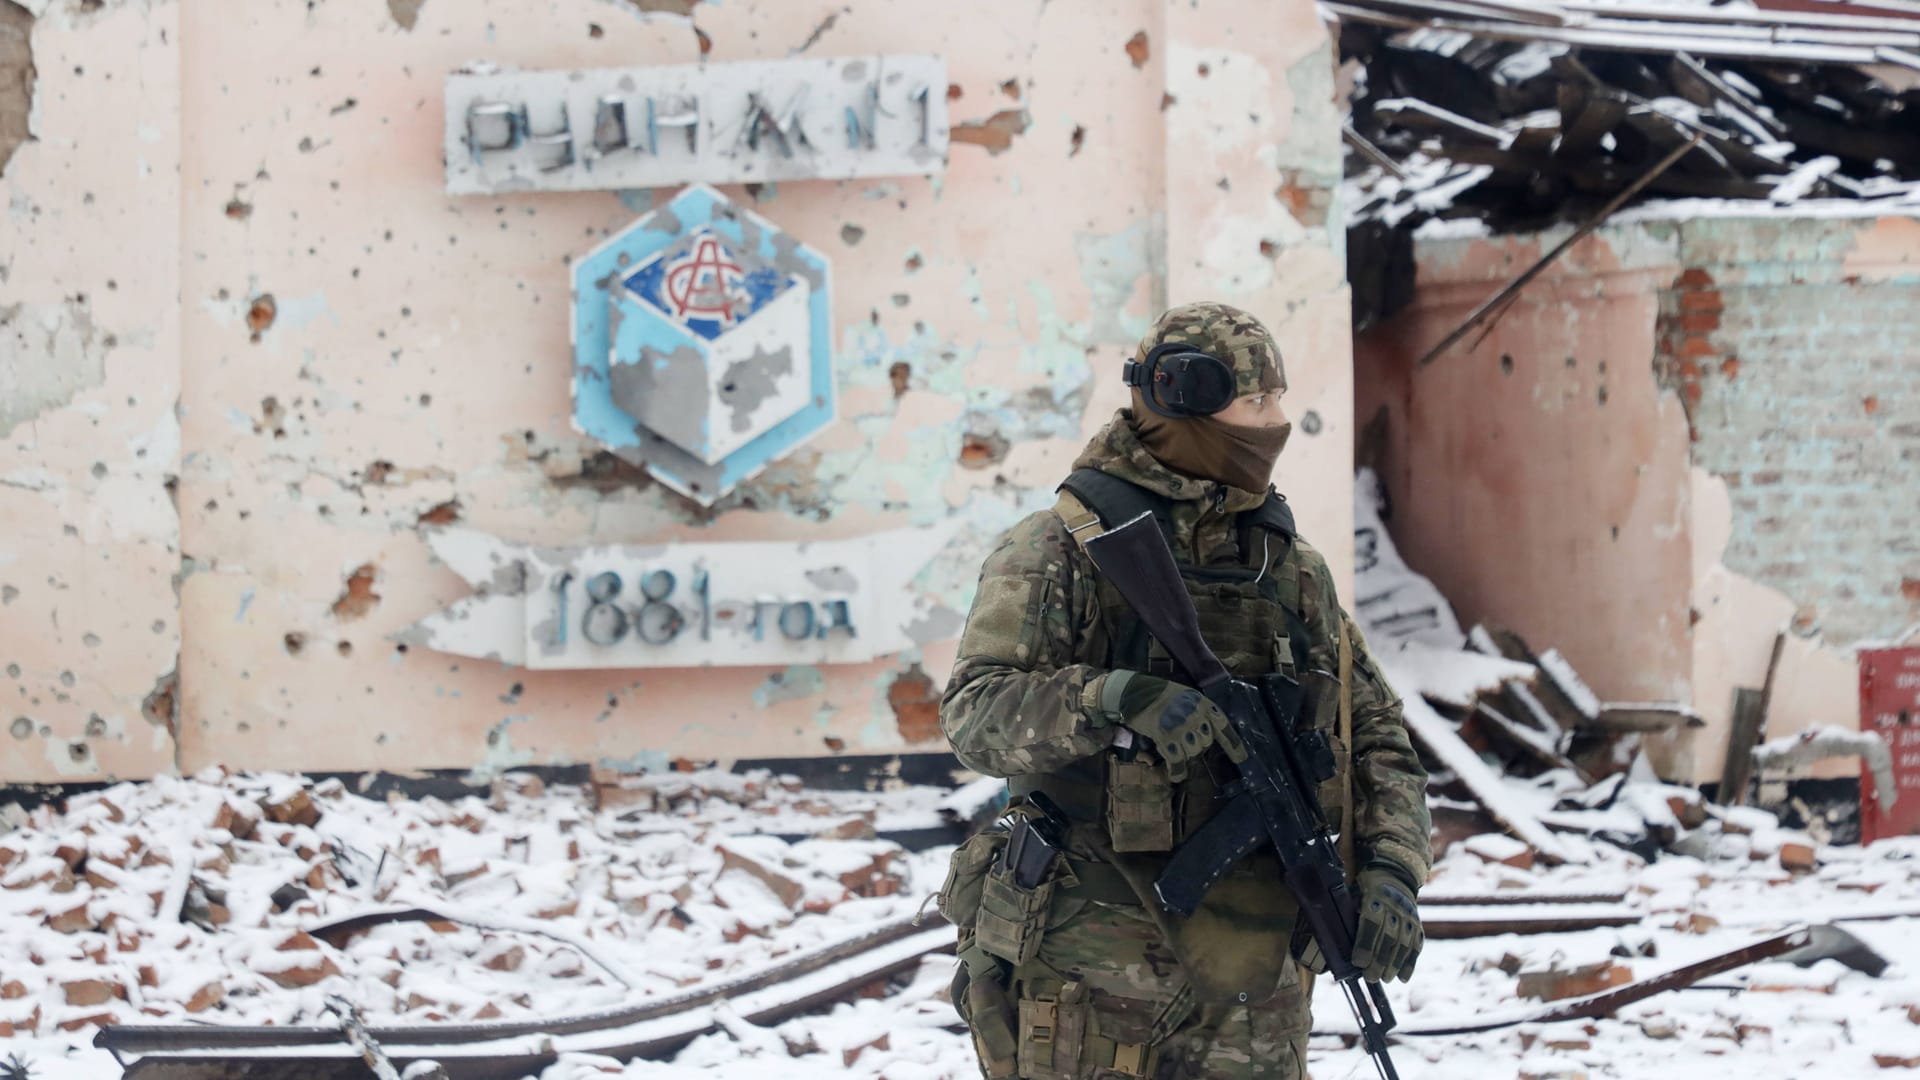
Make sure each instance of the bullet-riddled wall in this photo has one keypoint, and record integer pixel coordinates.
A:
(252, 354)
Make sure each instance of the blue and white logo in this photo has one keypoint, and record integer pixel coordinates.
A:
(702, 344)
(705, 286)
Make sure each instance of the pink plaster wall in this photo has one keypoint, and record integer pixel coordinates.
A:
(1540, 477)
(417, 359)
(1508, 485)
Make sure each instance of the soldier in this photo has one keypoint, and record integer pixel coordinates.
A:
(1060, 690)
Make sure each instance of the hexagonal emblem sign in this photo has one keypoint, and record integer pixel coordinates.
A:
(702, 344)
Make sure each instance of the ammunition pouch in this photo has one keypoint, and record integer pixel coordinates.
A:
(1066, 1031)
(959, 897)
(1139, 806)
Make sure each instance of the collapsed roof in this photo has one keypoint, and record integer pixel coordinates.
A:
(1517, 115)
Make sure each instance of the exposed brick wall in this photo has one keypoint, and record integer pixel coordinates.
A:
(1800, 372)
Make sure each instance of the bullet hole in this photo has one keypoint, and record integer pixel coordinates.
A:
(851, 234)
(8, 593)
(66, 679)
(914, 262)
(306, 144)
(96, 727)
(78, 751)
(1204, 71)
(162, 704)
(271, 418)
(426, 400)
(915, 705)
(978, 451)
(1311, 423)
(1224, 184)
(996, 132)
(954, 92)
(159, 626)
(400, 648)
(1011, 88)
(595, 30)
(1870, 404)
(345, 106)
(358, 597)
(377, 472)
(1269, 249)
(1614, 530)
(1506, 363)
(344, 648)
(444, 514)
(404, 12)
(1569, 362)
(239, 211)
(1138, 50)
(1076, 140)
(835, 743)
(91, 641)
(99, 470)
(13, 671)
(901, 299)
(1167, 101)
(899, 375)
(260, 315)
(22, 728)
(1730, 367)
(706, 41)
(295, 642)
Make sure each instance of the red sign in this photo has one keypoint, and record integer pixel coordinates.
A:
(1890, 707)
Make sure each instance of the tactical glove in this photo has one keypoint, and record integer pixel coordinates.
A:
(1388, 940)
(1178, 720)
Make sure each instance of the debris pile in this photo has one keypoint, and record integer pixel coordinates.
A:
(249, 899)
(1509, 116)
(1518, 113)
(1517, 741)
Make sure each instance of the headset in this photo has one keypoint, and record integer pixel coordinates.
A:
(1177, 380)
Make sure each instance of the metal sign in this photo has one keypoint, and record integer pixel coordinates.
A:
(686, 604)
(702, 344)
(615, 128)
(1890, 707)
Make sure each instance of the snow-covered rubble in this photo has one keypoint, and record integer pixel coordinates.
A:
(205, 899)
(558, 904)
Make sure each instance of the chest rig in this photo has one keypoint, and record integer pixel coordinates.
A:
(1252, 615)
(1241, 601)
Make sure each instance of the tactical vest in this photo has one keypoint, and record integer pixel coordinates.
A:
(1261, 614)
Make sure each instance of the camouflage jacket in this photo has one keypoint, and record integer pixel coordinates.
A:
(1023, 695)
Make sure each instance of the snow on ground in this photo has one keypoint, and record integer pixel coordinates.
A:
(558, 907)
(681, 890)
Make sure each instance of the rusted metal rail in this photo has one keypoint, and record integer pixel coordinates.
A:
(493, 1051)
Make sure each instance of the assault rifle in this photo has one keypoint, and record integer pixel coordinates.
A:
(1273, 801)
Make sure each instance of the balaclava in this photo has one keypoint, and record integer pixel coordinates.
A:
(1237, 455)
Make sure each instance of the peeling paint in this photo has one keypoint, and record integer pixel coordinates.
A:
(16, 79)
(996, 132)
(48, 356)
(795, 683)
(405, 12)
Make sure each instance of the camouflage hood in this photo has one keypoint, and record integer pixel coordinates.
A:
(1118, 452)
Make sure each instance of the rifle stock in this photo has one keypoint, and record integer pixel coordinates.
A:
(1275, 802)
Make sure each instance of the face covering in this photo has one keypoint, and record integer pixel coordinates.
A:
(1232, 454)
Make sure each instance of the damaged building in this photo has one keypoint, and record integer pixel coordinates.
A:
(1636, 361)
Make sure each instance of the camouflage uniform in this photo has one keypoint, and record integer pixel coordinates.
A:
(1116, 986)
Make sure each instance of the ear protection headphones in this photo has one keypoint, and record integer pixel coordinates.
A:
(1178, 380)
